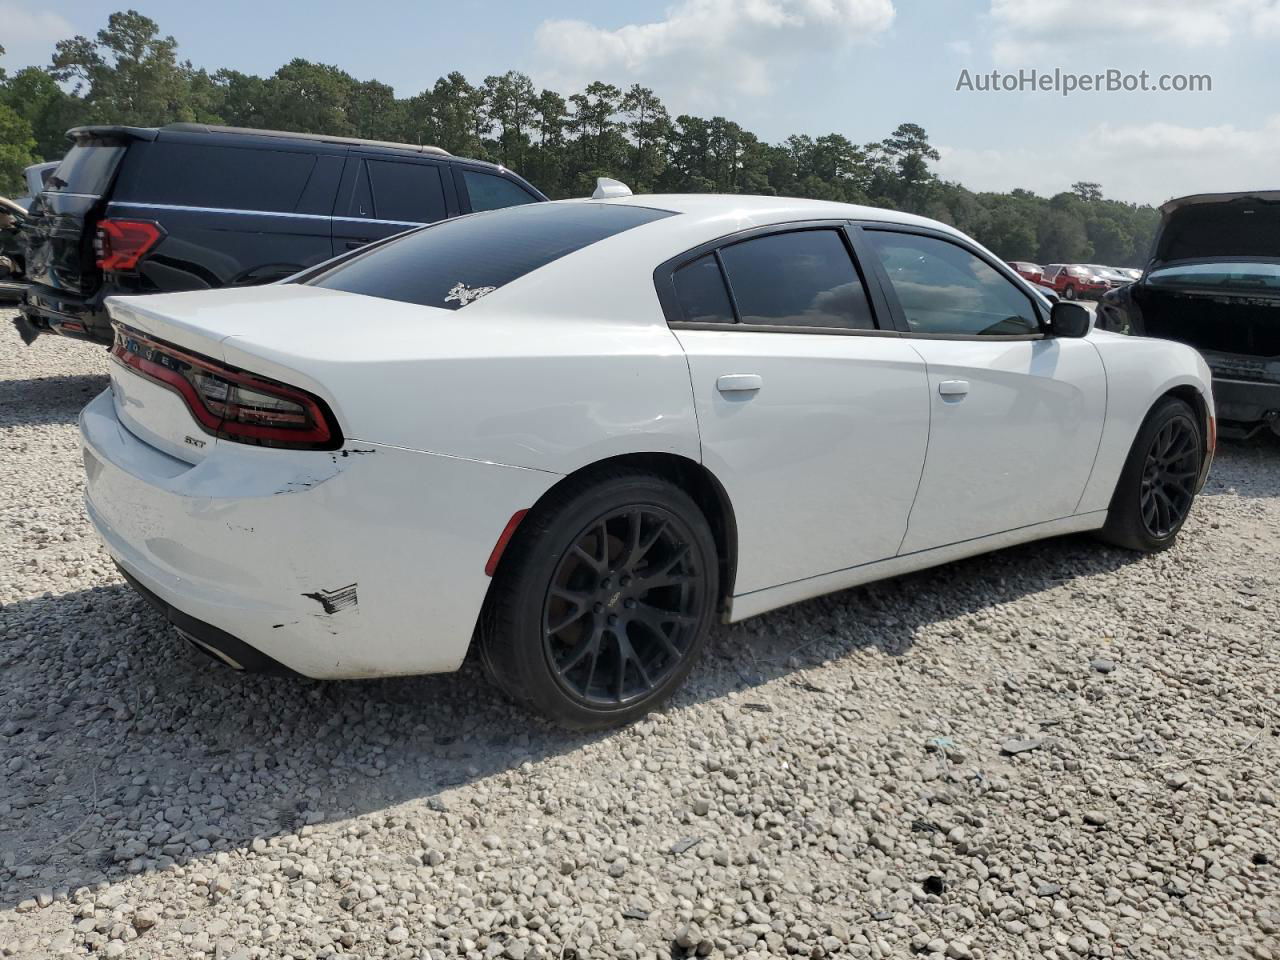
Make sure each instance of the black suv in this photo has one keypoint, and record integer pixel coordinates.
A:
(191, 206)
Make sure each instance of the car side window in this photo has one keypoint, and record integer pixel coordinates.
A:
(943, 288)
(488, 192)
(804, 278)
(215, 177)
(406, 191)
(701, 292)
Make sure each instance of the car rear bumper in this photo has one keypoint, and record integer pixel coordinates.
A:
(1247, 402)
(55, 311)
(366, 561)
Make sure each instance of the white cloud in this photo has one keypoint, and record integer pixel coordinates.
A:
(712, 46)
(1144, 163)
(28, 35)
(1029, 29)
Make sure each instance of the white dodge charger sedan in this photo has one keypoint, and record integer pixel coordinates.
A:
(581, 432)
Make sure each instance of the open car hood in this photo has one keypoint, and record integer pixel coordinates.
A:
(1207, 226)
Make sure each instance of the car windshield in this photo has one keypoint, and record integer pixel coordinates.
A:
(1219, 274)
(454, 263)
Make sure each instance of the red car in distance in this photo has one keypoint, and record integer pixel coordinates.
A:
(1027, 270)
(1072, 281)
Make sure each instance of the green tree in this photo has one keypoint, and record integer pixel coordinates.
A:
(128, 75)
(1061, 238)
(649, 125)
(510, 103)
(601, 143)
(310, 98)
(35, 96)
(17, 150)
(908, 150)
(1087, 190)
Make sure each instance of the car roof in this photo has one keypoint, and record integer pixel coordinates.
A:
(755, 210)
(615, 276)
(99, 131)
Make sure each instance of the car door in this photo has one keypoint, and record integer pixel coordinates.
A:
(382, 195)
(1016, 415)
(812, 416)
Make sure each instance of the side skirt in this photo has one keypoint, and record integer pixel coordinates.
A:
(760, 601)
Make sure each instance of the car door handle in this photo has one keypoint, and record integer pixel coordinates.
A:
(739, 383)
(953, 388)
(357, 244)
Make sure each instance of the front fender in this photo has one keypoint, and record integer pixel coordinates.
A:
(1139, 372)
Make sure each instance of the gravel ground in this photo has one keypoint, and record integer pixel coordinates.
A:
(1059, 750)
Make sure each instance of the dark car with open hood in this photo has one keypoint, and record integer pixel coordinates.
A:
(1213, 282)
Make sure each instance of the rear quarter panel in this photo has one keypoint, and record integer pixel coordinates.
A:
(1139, 372)
(569, 365)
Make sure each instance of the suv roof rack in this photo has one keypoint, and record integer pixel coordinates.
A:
(323, 138)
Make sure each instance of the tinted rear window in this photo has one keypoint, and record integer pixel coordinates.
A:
(406, 191)
(455, 262)
(802, 279)
(86, 168)
(228, 178)
(701, 291)
(488, 192)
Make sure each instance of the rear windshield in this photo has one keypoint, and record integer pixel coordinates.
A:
(87, 168)
(456, 262)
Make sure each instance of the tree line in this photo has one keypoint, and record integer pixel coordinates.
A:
(131, 74)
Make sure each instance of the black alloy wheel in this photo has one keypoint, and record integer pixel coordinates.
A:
(622, 607)
(1169, 476)
(1160, 479)
(603, 600)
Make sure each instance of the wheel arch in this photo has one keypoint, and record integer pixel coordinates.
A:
(691, 477)
(1191, 395)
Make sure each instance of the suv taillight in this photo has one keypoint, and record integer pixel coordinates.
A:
(231, 403)
(120, 244)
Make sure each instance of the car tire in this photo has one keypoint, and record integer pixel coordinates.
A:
(1069, 292)
(603, 600)
(1157, 486)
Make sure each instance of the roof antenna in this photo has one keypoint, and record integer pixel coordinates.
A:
(607, 189)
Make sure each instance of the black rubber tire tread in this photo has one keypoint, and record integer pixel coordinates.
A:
(510, 625)
(1124, 527)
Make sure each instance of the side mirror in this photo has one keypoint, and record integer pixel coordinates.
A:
(1068, 319)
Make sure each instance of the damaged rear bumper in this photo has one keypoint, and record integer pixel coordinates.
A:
(207, 638)
(361, 562)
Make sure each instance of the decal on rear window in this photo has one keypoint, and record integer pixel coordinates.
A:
(490, 249)
(462, 294)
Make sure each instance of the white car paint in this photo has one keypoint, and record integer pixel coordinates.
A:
(857, 457)
(844, 419)
(1017, 447)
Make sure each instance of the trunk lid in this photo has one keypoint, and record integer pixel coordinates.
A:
(1218, 226)
(58, 237)
(289, 333)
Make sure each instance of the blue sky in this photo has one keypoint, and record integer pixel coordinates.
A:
(857, 67)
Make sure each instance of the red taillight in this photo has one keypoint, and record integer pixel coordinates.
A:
(1212, 445)
(120, 244)
(231, 403)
